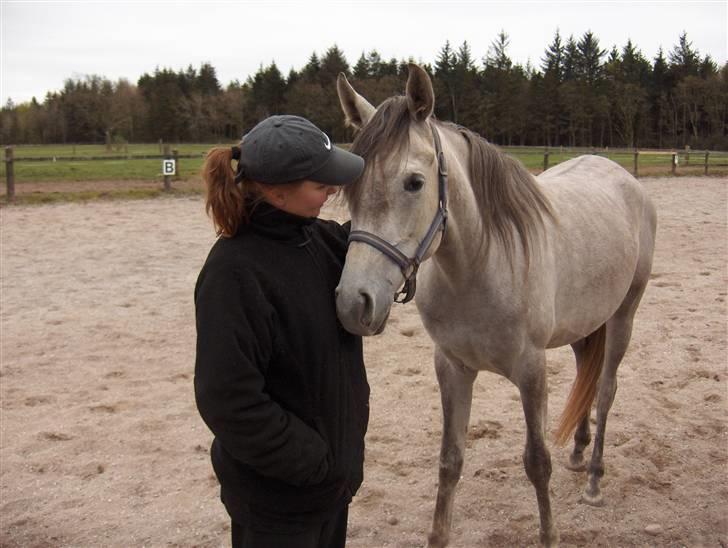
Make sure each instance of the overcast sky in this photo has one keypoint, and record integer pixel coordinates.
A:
(44, 43)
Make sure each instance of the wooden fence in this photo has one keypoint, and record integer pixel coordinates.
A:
(551, 156)
(703, 156)
(167, 154)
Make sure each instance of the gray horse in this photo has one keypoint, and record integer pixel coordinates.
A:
(510, 265)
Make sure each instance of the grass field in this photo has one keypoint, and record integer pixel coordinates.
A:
(40, 164)
(139, 149)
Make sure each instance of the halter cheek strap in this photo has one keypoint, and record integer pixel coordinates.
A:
(410, 265)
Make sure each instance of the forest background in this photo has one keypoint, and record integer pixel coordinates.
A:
(580, 95)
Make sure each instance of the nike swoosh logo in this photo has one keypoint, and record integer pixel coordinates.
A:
(327, 144)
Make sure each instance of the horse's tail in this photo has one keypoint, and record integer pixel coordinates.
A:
(584, 389)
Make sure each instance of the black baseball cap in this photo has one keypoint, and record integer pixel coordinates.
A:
(283, 149)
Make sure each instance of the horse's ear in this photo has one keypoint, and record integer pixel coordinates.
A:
(420, 95)
(357, 110)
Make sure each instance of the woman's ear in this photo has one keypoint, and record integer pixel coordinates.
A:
(274, 195)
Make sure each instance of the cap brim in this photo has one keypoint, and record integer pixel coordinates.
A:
(341, 168)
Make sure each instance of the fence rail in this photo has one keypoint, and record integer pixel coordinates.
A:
(639, 162)
(95, 158)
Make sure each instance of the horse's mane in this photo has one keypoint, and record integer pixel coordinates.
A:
(385, 134)
(506, 193)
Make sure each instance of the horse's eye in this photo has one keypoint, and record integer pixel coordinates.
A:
(414, 183)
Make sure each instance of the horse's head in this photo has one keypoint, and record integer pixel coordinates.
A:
(393, 204)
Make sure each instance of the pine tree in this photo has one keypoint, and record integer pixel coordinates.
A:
(362, 69)
(207, 82)
(707, 68)
(571, 54)
(267, 92)
(467, 93)
(497, 53)
(589, 65)
(375, 64)
(332, 63)
(445, 85)
(553, 61)
(310, 72)
(684, 60)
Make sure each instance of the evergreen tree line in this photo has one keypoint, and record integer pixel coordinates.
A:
(580, 95)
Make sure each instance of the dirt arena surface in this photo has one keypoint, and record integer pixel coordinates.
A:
(102, 445)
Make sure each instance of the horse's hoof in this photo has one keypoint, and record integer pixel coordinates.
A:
(550, 540)
(435, 540)
(592, 500)
(576, 465)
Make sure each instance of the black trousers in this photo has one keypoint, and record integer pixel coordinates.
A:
(259, 532)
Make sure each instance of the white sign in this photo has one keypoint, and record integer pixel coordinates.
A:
(169, 167)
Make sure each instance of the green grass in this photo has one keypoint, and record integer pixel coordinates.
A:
(648, 161)
(100, 170)
(146, 149)
(127, 168)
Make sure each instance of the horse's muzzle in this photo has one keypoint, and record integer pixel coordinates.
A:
(360, 311)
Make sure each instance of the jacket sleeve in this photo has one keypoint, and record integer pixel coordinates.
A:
(235, 341)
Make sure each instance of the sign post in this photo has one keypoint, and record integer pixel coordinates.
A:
(10, 174)
(169, 168)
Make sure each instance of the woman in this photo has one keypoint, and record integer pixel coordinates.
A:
(278, 380)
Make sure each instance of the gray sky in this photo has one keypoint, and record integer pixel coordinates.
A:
(44, 43)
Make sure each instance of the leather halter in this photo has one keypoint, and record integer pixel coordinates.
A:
(410, 265)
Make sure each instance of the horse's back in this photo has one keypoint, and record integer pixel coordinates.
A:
(582, 187)
(604, 228)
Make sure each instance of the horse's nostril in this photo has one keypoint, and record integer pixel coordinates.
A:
(367, 313)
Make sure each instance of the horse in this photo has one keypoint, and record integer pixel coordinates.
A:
(506, 265)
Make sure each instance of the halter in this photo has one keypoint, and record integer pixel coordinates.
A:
(410, 265)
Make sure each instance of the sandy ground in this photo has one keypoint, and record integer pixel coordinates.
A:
(102, 446)
(39, 188)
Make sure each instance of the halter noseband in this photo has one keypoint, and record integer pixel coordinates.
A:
(410, 265)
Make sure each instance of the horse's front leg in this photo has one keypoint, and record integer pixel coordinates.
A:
(531, 382)
(456, 391)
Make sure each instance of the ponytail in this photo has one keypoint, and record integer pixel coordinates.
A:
(225, 198)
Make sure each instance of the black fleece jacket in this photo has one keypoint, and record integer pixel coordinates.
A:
(278, 380)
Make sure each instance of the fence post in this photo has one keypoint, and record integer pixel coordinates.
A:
(636, 163)
(9, 174)
(545, 160)
(674, 162)
(167, 178)
(175, 155)
(707, 154)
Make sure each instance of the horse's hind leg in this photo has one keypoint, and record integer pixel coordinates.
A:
(618, 335)
(536, 457)
(456, 391)
(582, 435)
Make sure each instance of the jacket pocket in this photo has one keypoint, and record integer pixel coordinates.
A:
(320, 427)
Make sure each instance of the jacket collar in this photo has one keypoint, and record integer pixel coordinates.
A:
(276, 224)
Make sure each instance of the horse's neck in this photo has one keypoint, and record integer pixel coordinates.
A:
(465, 252)
(462, 242)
